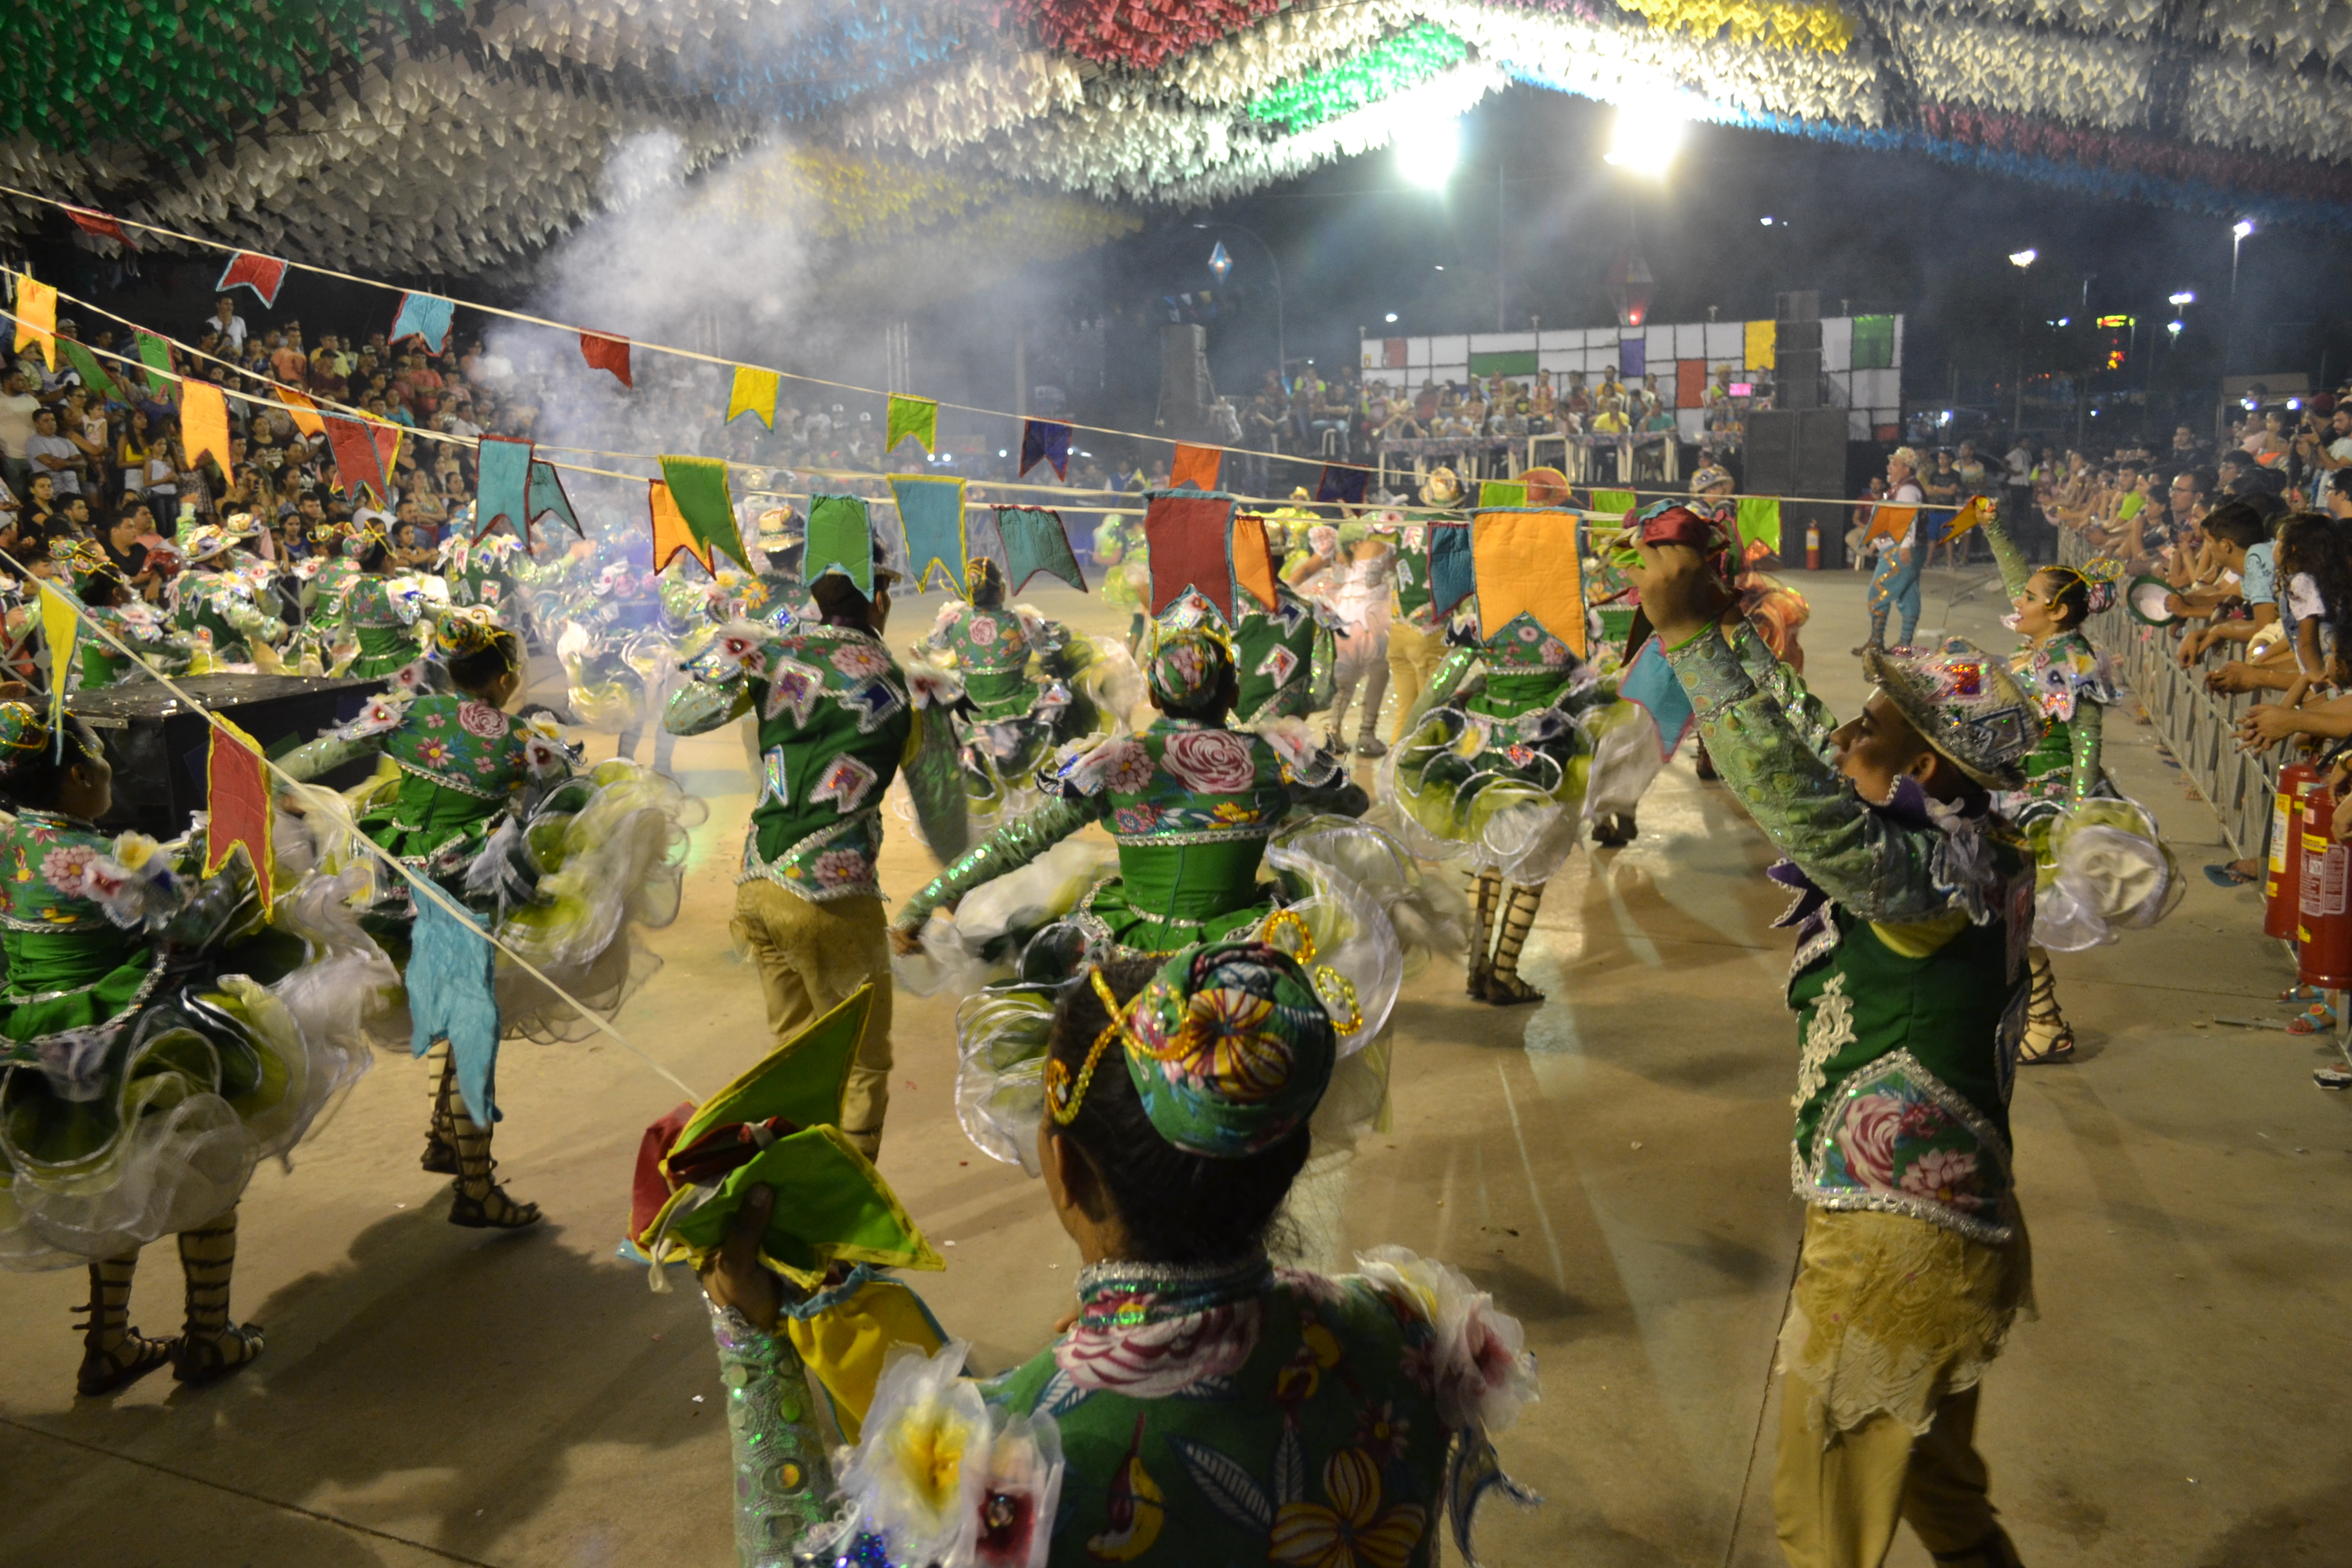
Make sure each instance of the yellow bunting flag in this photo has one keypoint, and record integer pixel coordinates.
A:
(61, 627)
(670, 533)
(303, 412)
(1967, 518)
(204, 426)
(1758, 343)
(36, 317)
(1526, 563)
(755, 393)
(916, 417)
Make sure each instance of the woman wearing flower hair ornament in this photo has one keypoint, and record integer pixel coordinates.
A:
(2102, 868)
(1202, 1405)
(557, 864)
(159, 1036)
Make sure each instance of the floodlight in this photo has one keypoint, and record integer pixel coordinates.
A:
(2186, 297)
(2244, 227)
(2022, 258)
(1647, 133)
(1427, 158)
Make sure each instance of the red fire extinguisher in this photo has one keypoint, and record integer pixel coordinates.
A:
(2324, 939)
(1812, 547)
(2283, 876)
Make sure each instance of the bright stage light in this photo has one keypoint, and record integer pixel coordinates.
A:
(2186, 297)
(2175, 328)
(2244, 227)
(1427, 158)
(1767, 220)
(2023, 258)
(1647, 133)
(1392, 315)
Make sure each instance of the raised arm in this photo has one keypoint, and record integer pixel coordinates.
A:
(1008, 849)
(2016, 571)
(1861, 857)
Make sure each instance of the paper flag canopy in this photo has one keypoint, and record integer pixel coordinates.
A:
(831, 1204)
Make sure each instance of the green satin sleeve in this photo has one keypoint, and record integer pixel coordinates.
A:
(2087, 733)
(699, 706)
(327, 754)
(1862, 858)
(1443, 682)
(2016, 571)
(1008, 849)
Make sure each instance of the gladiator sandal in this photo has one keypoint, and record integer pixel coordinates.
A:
(1504, 987)
(210, 1345)
(1486, 889)
(2047, 1037)
(481, 1204)
(440, 1140)
(113, 1353)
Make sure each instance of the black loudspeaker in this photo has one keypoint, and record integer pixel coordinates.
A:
(1802, 452)
(157, 743)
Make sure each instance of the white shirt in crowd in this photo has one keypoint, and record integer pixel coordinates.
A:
(68, 482)
(234, 331)
(17, 422)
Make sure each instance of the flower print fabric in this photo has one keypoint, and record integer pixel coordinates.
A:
(1213, 762)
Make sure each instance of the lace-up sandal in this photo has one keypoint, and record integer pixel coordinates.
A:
(479, 1203)
(210, 1346)
(1485, 888)
(440, 1155)
(2047, 1038)
(1504, 987)
(113, 1353)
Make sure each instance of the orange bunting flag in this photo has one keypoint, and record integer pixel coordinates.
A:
(236, 789)
(670, 533)
(1195, 466)
(1254, 558)
(1893, 522)
(36, 317)
(204, 426)
(304, 413)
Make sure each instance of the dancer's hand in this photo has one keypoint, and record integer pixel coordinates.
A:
(733, 1277)
(904, 942)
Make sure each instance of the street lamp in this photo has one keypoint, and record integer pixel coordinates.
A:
(1281, 355)
(2237, 232)
(2186, 297)
(1427, 159)
(2021, 260)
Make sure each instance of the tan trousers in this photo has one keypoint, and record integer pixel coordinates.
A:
(1413, 655)
(1838, 1506)
(813, 957)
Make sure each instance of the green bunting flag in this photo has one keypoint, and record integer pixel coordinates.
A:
(85, 365)
(916, 417)
(1759, 518)
(157, 357)
(1616, 503)
(840, 538)
(1036, 540)
(698, 486)
(1502, 492)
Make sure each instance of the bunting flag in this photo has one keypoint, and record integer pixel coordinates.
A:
(93, 377)
(1891, 522)
(546, 494)
(1450, 578)
(262, 274)
(916, 417)
(698, 486)
(302, 411)
(1967, 518)
(1341, 484)
(425, 317)
(1045, 441)
(1614, 503)
(60, 628)
(840, 538)
(1652, 685)
(671, 533)
(754, 392)
(1035, 540)
(502, 486)
(1190, 538)
(1501, 492)
(931, 512)
(1526, 563)
(36, 317)
(1195, 466)
(204, 426)
(604, 351)
(1759, 518)
(236, 806)
(388, 437)
(1253, 557)
(983, 539)
(100, 225)
(156, 355)
(359, 461)
(452, 966)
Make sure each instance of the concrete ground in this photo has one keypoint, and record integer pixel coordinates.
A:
(1611, 1164)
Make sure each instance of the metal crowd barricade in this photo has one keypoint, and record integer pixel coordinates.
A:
(2197, 726)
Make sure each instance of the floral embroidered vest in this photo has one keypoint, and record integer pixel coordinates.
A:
(835, 725)
(1274, 655)
(2062, 674)
(1909, 1051)
(462, 745)
(991, 647)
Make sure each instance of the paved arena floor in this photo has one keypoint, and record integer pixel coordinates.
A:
(1612, 1165)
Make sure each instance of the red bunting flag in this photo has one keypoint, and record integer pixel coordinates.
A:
(262, 274)
(236, 789)
(603, 353)
(359, 456)
(101, 225)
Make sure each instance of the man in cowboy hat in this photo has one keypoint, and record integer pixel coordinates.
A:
(1910, 988)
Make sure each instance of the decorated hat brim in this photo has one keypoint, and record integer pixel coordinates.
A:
(1901, 687)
